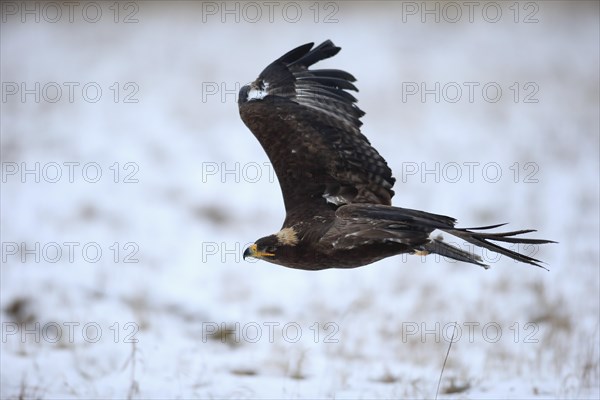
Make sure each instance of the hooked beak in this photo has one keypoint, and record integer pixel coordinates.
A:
(252, 251)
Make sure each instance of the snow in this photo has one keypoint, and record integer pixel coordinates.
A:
(168, 308)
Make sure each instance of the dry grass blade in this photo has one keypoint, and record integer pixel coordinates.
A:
(437, 390)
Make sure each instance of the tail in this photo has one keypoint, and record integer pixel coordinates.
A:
(482, 239)
(412, 228)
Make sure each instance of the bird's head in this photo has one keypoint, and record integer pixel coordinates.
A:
(254, 91)
(270, 247)
(264, 248)
(275, 83)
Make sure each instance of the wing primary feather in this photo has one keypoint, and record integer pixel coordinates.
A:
(325, 50)
(295, 54)
(337, 83)
(334, 73)
(318, 90)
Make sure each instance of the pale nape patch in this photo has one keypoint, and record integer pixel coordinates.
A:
(287, 236)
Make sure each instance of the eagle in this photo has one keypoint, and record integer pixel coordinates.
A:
(337, 189)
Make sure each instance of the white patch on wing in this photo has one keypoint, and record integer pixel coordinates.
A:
(337, 200)
(401, 241)
(255, 94)
(258, 94)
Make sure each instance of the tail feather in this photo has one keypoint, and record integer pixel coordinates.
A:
(437, 246)
(483, 240)
(500, 236)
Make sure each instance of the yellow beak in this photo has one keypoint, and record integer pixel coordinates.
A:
(252, 251)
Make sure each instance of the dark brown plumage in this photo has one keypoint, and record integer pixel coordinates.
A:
(337, 189)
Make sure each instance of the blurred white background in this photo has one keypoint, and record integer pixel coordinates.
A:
(130, 188)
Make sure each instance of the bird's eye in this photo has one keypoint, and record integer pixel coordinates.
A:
(269, 250)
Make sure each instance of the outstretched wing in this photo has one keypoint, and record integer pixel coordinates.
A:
(309, 126)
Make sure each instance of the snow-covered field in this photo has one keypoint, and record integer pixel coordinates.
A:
(130, 188)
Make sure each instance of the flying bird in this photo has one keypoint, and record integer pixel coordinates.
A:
(336, 187)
